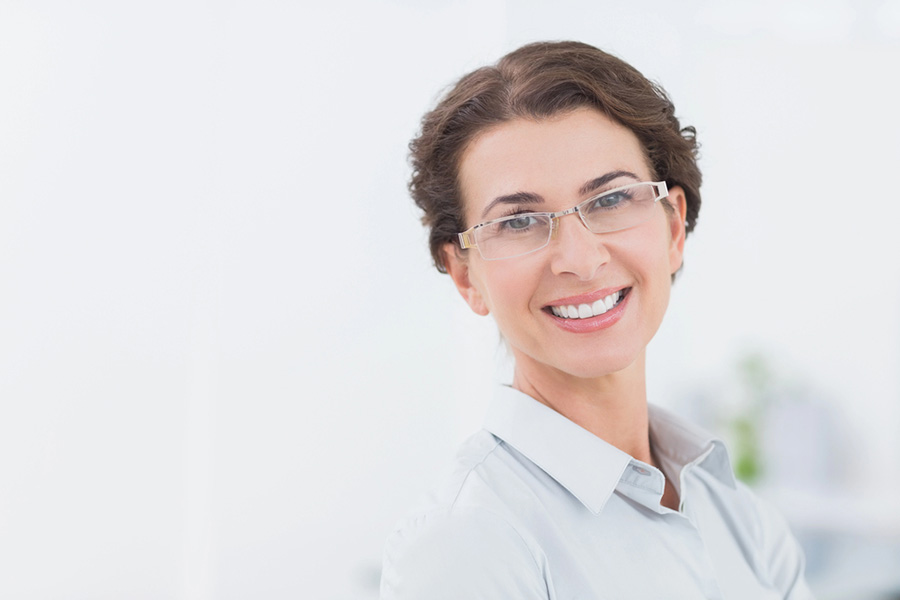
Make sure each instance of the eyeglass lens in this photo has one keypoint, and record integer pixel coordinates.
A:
(524, 233)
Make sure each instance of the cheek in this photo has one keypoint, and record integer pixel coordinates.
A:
(648, 252)
(660, 276)
(650, 262)
(508, 286)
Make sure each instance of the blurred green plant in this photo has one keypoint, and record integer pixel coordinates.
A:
(757, 383)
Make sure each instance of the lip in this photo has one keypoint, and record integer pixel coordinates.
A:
(588, 298)
(607, 319)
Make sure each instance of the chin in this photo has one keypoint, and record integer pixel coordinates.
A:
(598, 367)
(581, 357)
(585, 364)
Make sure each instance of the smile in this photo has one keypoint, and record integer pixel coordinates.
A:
(586, 311)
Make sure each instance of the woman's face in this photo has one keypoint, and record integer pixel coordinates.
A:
(553, 162)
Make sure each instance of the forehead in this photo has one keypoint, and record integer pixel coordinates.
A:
(552, 158)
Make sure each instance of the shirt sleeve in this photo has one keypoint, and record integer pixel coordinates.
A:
(781, 553)
(470, 554)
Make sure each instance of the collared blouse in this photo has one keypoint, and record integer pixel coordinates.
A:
(536, 507)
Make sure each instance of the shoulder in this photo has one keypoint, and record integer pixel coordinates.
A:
(762, 532)
(483, 474)
(462, 541)
(460, 551)
(778, 552)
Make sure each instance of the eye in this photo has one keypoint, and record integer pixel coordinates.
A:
(519, 223)
(611, 200)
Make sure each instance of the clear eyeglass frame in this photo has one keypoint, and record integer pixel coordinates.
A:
(469, 238)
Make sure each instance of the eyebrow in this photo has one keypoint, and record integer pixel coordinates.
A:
(599, 182)
(517, 198)
(531, 198)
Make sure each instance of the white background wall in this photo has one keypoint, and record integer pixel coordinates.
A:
(226, 364)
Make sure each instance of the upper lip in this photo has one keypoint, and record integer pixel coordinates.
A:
(587, 298)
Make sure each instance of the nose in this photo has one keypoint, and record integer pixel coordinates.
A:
(577, 250)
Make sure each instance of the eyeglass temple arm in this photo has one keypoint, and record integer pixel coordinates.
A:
(663, 190)
(466, 239)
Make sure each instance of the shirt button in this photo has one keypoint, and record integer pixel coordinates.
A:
(640, 470)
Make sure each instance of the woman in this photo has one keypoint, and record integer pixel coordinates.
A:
(559, 187)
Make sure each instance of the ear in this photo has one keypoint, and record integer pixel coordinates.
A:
(677, 227)
(458, 268)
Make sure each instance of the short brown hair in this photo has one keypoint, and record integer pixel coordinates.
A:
(537, 81)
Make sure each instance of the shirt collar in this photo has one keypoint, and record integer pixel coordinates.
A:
(683, 443)
(550, 440)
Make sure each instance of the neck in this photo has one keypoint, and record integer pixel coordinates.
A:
(612, 407)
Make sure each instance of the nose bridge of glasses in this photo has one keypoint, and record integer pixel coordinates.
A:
(577, 250)
(555, 217)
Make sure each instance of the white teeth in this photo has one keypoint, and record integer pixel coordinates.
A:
(586, 311)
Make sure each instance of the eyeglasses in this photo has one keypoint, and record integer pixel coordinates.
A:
(523, 233)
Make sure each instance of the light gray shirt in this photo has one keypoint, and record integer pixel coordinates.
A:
(537, 507)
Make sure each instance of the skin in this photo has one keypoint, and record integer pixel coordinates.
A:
(597, 378)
